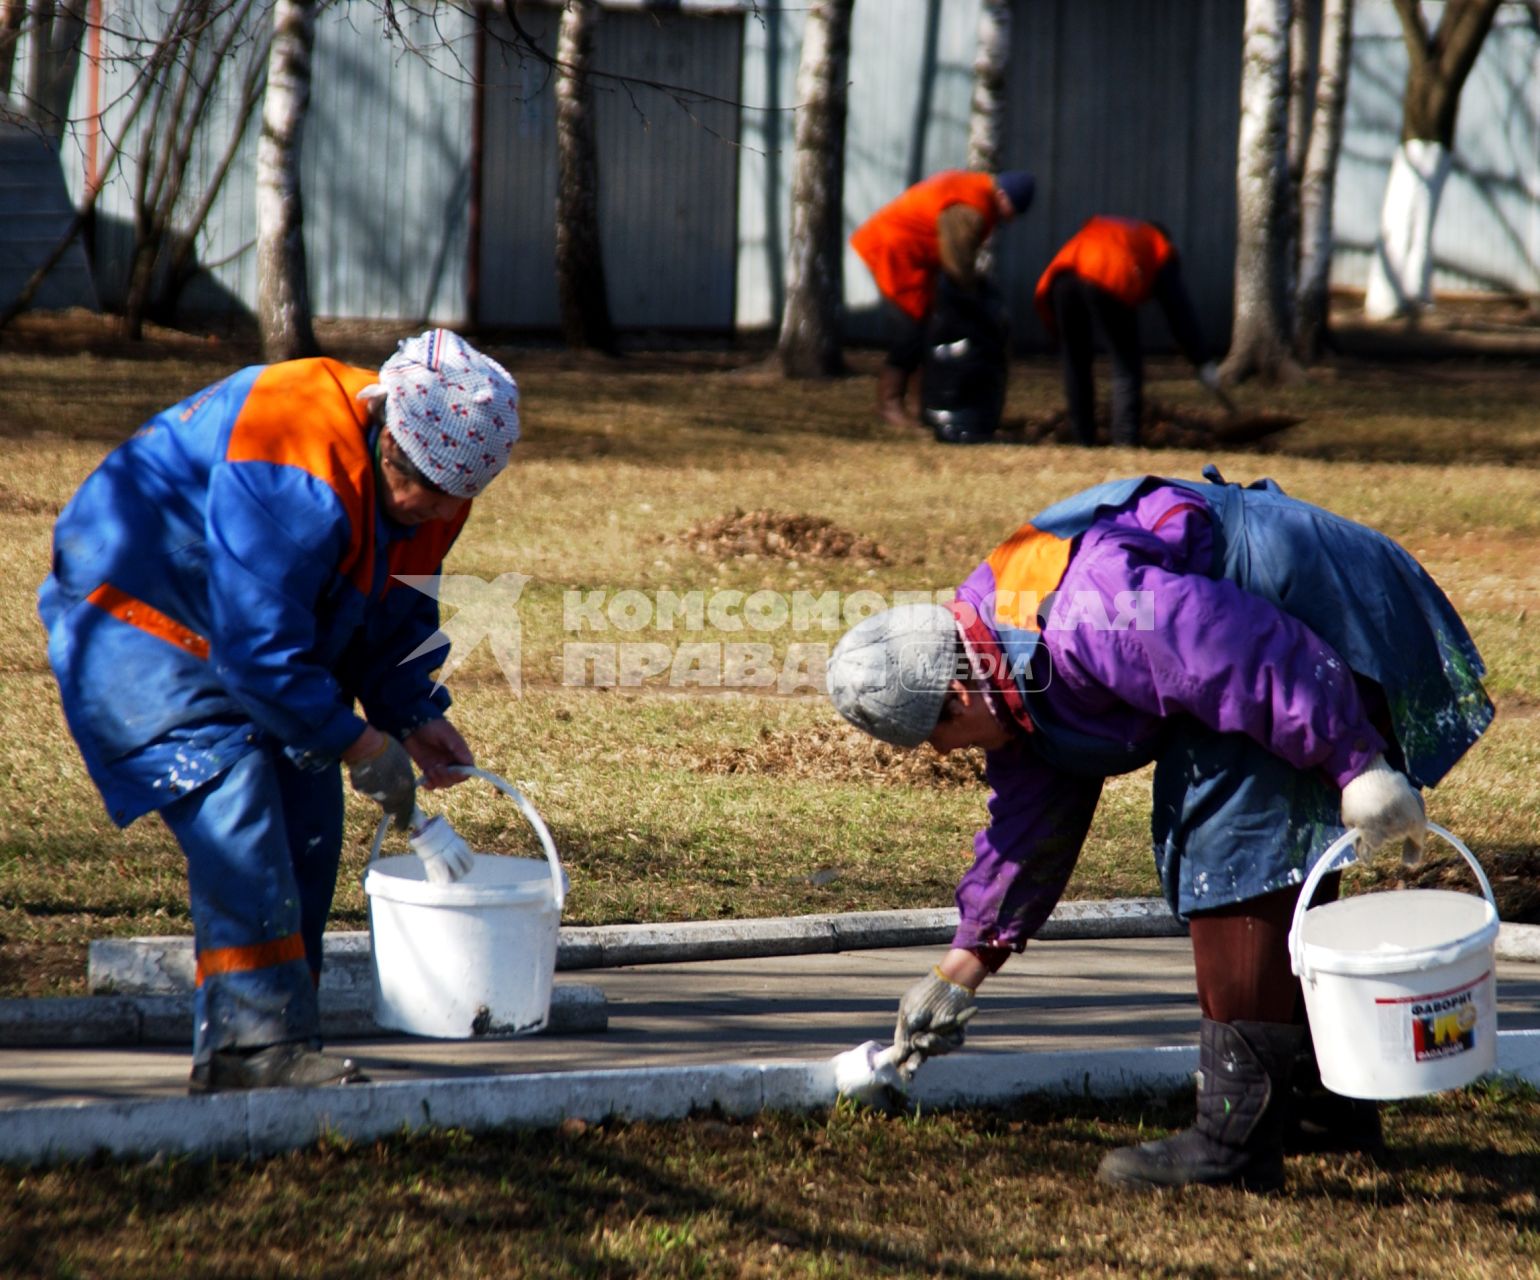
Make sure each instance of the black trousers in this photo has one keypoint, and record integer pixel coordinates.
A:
(906, 338)
(1084, 314)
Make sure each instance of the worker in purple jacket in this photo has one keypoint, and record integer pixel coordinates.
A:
(1289, 673)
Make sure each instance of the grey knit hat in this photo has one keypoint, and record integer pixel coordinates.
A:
(888, 675)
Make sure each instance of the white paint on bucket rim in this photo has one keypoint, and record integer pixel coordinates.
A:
(473, 957)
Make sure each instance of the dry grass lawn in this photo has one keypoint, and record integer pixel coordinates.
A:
(705, 472)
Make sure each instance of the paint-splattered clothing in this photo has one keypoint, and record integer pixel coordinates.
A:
(225, 577)
(1245, 642)
(222, 592)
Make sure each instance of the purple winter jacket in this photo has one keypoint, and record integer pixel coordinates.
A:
(1190, 645)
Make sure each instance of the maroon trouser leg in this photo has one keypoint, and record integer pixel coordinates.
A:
(1241, 956)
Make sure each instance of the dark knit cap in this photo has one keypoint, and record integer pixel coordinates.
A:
(1019, 186)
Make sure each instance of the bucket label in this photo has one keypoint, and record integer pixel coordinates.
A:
(1439, 1025)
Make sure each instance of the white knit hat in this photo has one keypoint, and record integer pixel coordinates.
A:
(453, 411)
(889, 675)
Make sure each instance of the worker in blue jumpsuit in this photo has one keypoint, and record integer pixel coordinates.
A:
(226, 625)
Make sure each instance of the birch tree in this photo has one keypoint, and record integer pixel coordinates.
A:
(283, 292)
(580, 283)
(809, 343)
(1259, 340)
(986, 117)
(1401, 271)
(56, 33)
(1318, 181)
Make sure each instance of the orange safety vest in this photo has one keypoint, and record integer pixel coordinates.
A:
(1120, 255)
(900, 244)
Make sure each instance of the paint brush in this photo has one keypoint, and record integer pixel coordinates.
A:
(869, 1073)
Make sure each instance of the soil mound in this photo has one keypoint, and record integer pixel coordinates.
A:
(775, 535)
(839, 753)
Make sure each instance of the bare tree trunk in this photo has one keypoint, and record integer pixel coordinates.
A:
(580, 282)
(986, 119)
(1259, 339)
(283, 294)
(54, 33)
(1318, 183)
(12, 14)
(1401, 271)
(810, 339)
(1301, 78)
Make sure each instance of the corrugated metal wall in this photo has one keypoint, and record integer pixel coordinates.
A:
(1118, 107)
(667, 172)
(1487, 236)
(384, 161)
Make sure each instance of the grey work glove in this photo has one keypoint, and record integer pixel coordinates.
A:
(387, 778)
(931, 1017)
(1382, 803)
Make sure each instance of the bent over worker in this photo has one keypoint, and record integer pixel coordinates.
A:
(1288, 672)
(936, 226)
(1093, 288)
(224, 590)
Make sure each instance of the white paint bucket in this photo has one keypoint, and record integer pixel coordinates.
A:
(472, 958)
(1400, 987)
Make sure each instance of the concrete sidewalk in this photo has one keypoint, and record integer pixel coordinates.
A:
(1103, 1016)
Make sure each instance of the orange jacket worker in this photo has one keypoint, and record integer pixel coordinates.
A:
(1094, 288)
(937, 225)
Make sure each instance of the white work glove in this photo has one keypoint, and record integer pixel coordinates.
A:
(445, 855)
(1208, 375)
(1382, 803)
(931, 1017)
(387, 778)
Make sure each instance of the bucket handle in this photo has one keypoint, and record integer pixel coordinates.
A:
(1324, 865)
(558, 893)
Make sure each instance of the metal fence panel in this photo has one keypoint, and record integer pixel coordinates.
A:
(667, 171)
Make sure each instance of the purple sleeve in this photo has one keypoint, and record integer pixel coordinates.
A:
(1038, 819)
(1203, 647)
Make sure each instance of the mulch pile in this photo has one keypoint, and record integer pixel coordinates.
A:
(839, 753)
(1163, 427)
(775, 535)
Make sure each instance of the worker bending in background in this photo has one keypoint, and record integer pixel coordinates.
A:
(936, 227)
(1289, 673)
(1093, 289)
(223, 589)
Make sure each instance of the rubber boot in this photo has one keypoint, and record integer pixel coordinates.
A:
(277, 1066)
(1320, 1121)
(892, 383)
(1243, 1082)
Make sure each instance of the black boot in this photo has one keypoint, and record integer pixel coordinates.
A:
(1243, 1080)
(278, 1066)
(1320, 1121)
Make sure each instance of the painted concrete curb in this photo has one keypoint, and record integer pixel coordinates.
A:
(164, 965)
(265, 1122)
(86, 1021)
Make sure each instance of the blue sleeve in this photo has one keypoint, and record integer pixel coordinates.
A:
(398, 692)
(276, 536)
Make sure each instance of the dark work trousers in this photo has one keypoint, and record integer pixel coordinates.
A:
(906, 339)
(1085, 313)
